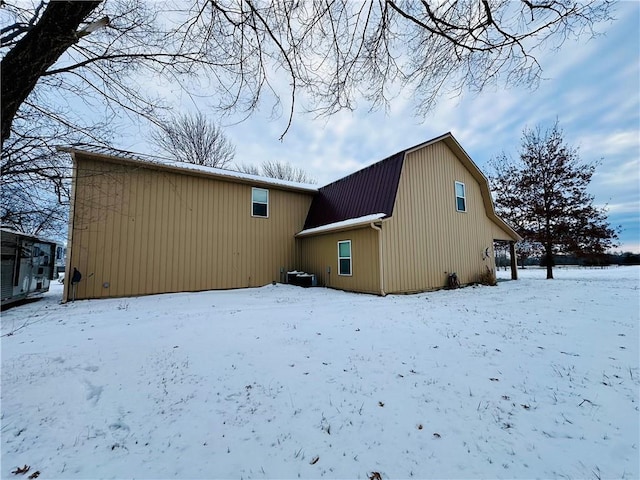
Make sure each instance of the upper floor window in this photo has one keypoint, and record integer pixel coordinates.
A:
(461, 199)
(259, 202)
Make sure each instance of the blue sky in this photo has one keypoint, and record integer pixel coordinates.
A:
(591, 87)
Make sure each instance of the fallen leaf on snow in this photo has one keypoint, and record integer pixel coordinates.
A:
(20, 471)
(375, 476)
(35, 474)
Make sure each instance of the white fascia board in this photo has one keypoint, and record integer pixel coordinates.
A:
(343, 225)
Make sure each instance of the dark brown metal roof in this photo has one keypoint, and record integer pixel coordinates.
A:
(365, 192)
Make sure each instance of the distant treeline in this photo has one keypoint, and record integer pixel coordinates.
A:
(621, 258)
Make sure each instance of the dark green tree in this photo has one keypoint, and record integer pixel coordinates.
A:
(544, 196)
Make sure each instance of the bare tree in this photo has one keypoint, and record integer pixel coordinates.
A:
(192, 138)
(36, 178)
(285, 171)
(528, 250)
(250, 169)
(544, 195)
(41, 40)
(33, 212)
(334, 50)
(278, 169)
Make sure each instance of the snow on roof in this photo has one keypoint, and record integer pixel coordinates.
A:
(352, 222)
(240, 175)
(161, 161)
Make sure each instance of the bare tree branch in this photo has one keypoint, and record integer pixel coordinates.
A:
(278, 169)
(194, 139)
(36, 51)
(18, 28)
(334, 51)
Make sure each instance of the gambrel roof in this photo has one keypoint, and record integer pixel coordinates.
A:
(368, 191)
(373, 190)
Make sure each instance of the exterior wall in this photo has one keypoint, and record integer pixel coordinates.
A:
(426, 238)
(321, 251)
(499, 234)
(139, 231)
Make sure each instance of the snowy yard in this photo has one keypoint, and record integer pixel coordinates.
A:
(529, 379)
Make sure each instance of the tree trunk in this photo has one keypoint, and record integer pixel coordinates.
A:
(29, 59)
(549, 254)
(514, 261)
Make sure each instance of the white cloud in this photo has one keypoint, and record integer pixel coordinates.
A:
(632, 207)
(611, 144)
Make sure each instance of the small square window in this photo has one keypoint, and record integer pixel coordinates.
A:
(259, 202)
(344, 258)
(461, 199)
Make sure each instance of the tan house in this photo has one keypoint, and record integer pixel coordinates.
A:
(140, 227)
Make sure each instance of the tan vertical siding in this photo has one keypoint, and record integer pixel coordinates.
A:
(319, 252)
(145, 231)
(498, 233)
(426, 238)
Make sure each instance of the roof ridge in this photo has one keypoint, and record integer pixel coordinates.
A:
(403, 151)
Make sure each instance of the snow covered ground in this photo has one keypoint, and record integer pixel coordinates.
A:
(529, 379)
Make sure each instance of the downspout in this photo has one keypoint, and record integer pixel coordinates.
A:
(380, 257)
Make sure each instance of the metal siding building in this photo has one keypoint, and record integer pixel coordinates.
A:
(319, 255)
(423, 238)
(139, 228)
(426, 238)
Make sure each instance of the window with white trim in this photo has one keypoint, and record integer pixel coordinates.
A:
(344, 258)
(259, 202)
(461, 199)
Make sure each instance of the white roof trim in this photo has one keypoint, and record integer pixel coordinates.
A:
(344, 224)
